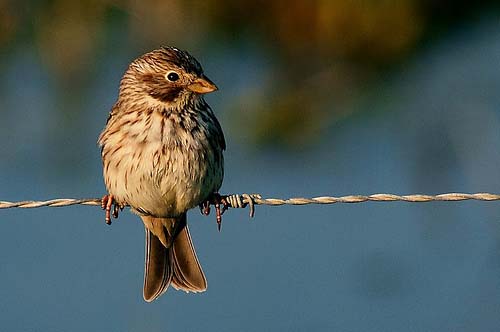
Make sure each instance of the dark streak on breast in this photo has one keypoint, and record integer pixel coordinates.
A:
(162, 128)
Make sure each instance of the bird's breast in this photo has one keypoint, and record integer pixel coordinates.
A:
(165, 163)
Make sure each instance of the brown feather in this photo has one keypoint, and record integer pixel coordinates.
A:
(170, 258)
(162, 152)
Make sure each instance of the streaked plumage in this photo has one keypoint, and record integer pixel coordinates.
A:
(162, 155)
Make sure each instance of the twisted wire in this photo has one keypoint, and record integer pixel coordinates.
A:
(243, 200)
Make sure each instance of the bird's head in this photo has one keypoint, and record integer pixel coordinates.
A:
(167, 76)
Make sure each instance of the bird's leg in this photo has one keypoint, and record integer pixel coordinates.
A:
(219, 200)
(108, 202)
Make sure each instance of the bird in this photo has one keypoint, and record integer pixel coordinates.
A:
(162, 154)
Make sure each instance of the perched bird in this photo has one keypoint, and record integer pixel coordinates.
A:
(162, 155)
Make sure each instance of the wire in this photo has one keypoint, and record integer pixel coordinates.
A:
(243, 200)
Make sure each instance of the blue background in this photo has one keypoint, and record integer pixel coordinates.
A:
(430, 124)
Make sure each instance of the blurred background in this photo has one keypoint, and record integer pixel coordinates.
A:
(316, 98)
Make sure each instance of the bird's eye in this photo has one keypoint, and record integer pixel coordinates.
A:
(172, 76)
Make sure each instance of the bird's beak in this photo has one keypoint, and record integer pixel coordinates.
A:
(202, 85)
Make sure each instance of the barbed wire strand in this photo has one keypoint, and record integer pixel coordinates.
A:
(243, 200)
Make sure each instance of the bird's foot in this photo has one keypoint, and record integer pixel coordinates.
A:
(109, 203)
(219, 201)
(205, 208)
(221, 205)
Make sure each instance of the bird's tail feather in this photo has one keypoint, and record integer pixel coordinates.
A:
(176, 265)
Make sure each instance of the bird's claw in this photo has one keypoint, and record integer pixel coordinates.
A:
(205, 208)
(108, 202)
(221, 205)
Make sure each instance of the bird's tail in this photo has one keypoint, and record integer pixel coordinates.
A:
(171, 260)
